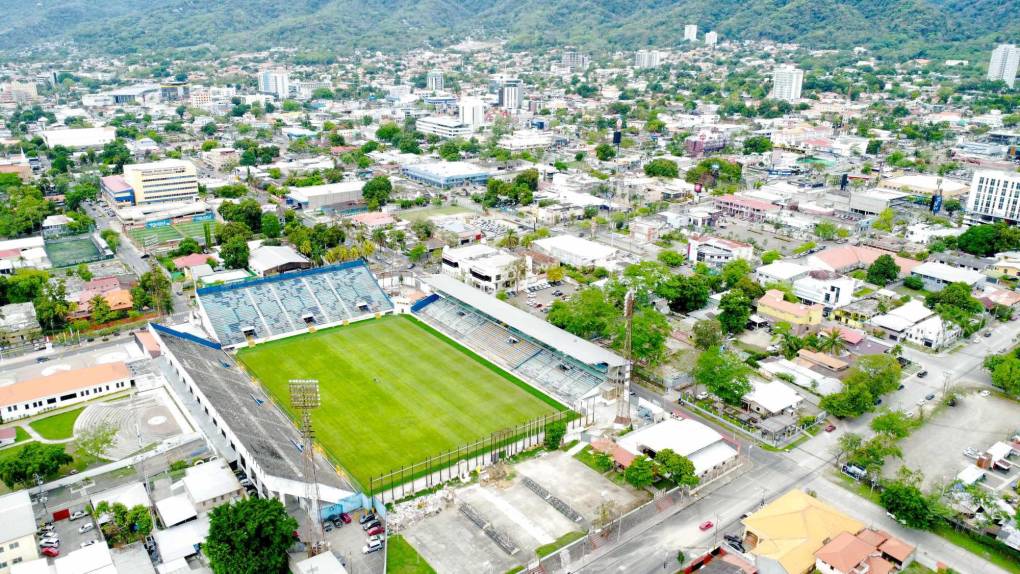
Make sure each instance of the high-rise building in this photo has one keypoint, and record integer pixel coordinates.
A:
(1004, 63)
(275, 82)
(434, 81)
(994, 196)
(170, 180)
(711, 38)
(472, 112)
(646, 59)
(575, 60)
(174, 91)
(786, 83)
(510, 92)
(691, 32)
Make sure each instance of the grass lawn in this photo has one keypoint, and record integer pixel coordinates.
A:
(394, 392)
(402, 558)
(57, 427)
(426, 212)
(547, 549)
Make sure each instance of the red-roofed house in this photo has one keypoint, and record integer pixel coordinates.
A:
(847, 258)
(745, 207)
(193, 260)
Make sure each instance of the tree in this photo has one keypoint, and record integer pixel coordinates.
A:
(554, 433)
(684, 293)
(235, 254)
(51, 306)
(555, 274)
(388, 132)
(510, 239)
(885, 220)
(913, 282)
(883, 271)
(99, 310)
(34, 459)
(233, 230)
(831, 341)
(826, 230)
(736, 310)
(670, 258)
(679, 469)
(649, 333)
(734, 271)
(270, 225)
(707, 334)
(605, 152)
(153, 290)
(893, 423)
(418, 252)
(770, 257)
(660, 167)
(909, 504)
(529, 178)
(97, 440)
(723, 374)
(640, 473)
(112, 239)
(1005, 373)
(757, 144)
(250, 536)
(588, 314)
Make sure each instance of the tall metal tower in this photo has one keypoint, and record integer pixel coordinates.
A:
(304, 397)
(623, 396)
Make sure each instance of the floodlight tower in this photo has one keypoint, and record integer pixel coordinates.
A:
(623, 397)
(304, 397)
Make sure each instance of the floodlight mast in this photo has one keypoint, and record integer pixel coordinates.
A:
(304, 396)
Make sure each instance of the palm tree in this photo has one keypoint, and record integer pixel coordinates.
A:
(510, 239)
(832, 342)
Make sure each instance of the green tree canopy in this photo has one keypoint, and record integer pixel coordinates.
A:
(250, 536)
(883, 271)
(723, 374)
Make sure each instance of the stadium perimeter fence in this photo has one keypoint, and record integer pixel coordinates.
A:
(458, 462)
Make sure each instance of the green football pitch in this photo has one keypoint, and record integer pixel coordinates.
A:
(394, 392)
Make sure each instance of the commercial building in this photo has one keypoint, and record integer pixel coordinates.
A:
(801, 317)
(716, 251)
(576, 251)
(786, 83)
(1003, 64)
(875, 201)
(937, 276)
(576, 61)
(706, 448)
(166, 181)
(826, 288)
(79, 138)
(747, 208)
(647, 59)
(483, 267)
(915, 323)
(18, 324)
(221, 158)
(691, 32)
(275, 82)
(434, 81)
(711, 38)
(471, 112)
(174, 91)
(526, 140)
(994, 196)
(444, 127)
(343, 195)
(17, 530)
(511, 93)
(62, 388)
(446, 174)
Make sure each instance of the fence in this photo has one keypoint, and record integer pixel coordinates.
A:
(458, 462)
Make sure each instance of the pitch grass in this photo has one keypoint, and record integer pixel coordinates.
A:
(402, 558)
(57, 427)
(393, 392)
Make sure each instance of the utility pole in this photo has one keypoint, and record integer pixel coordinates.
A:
(623, 398)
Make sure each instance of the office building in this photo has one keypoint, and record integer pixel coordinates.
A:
(434, 81)
(171, 180)
(446, 174)
(472, 112)
(691, 33)
(443, 126)
(711, 38)
(1004, 63)
(173, 91)
(994, 196)
(483, 267)
(275, 82)
(511, 93)
(575, 60)
(786, 83)
(646, 59)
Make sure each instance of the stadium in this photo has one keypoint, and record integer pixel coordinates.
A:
(411, 393)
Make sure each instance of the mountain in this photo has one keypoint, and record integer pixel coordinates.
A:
(901, 27)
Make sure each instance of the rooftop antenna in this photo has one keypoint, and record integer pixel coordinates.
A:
(623, 396)
(304, 396)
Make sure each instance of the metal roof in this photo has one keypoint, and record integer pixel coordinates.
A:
(576, 347)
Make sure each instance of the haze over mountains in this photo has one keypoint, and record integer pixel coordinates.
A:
(901, 27)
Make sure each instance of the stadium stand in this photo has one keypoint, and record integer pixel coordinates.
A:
(262, 440)
(556, 361)
(281, 305)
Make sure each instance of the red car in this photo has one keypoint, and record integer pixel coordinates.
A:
(706, 525)
(376, 530)
(346, 518)
(830, 428)
(51, 552)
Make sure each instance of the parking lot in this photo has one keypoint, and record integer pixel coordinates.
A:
(538, 301)
(70, 539)
(937, 449)
(347, 542)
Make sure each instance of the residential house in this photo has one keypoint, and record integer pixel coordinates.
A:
(913, 322)
(211, 484)
(17, 530)
(716, 251)
(937, 275)
(826, 288)
(18, 324)
(776, 309)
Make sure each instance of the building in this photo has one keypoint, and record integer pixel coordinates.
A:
(826, 288)
(166, 181)
(576, 251)
(707, 449)
(711, 38)
(691, 33)
(275, 82)
(847, 258)
(576, 61)
(526, 140)
(483, 267)
(994, 196)
(786, 83)
(937, 275)
(875, 201)
(15, 92)
(772, 398)
(780, 272)
(471, 112)
(17, 530)
(716, 251)
(78, 138)
(342, 196)
(784, 535)
(210, 485)
(867, 552)
(747, 208)
(1003, 64)
(647, 59)
(18, 324)
(174, 91)
(62, 388)
(221, 158)
(801, 317)
(275, 259)
(446, 174)
(511, 93)
(915, 323)
(434, 81)
(444, 127)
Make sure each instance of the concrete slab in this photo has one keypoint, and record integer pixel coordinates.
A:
(577, 485)
(451, 543)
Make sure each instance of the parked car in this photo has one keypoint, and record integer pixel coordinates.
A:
(246, 482)
(51, 552)
(830, 427)
(376, 538)
(372, 547)
(922, 374)
(366, 518)
(971, 453)
(88, 543)
(370, 524)
(78, 514)
(732, 538)
(327, 526)
(376, 531)
(346, 518)
(984, 393)
(49, 544)
(706, 525)
(85, 527)
(930, 396)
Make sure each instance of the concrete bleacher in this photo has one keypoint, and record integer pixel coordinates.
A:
(560, 376)
(277, 306)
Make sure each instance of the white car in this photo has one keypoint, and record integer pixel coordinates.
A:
(78, 514)
(85, 527)
(88, 543)
(984, 393)
(371, 547)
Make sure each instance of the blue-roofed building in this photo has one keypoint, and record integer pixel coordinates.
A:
(446, 174)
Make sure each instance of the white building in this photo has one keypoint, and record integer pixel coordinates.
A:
(483, 267)
(1003, 64)
(771, 398)
(524, 140)
(576, 251)
(17, 530)
(716, 251)
(937, 276)
(169, 180)
(63, 388)
(575, 60)
(691, 32)
(787, 82)
(915, 323)
(703, 446)
(79, 138)
(341, 194)
(210, 485)
(711, 38)
(434, 81)
(829, 290)
(780, 272)
(472, 112)
(443, 126)
(647, 59)
(275, 82)
(994, 196)
(511, 94)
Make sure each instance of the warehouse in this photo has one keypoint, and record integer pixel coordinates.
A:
(446, 174)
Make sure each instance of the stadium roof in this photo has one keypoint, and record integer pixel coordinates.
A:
(578, 348)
